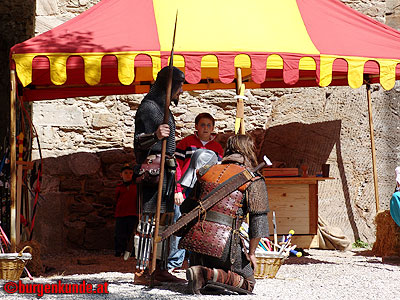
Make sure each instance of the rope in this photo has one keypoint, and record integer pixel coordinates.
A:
(241, 97)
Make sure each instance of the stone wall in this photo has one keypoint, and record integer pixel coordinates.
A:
(17, 19)
(85, 141)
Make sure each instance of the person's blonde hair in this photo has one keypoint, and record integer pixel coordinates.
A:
(244, 145)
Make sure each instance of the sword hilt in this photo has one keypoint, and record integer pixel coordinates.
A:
(265, 161)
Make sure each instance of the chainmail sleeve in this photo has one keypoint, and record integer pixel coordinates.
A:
(258, 226)
(257, 197)
(148, 117)
(258, 208)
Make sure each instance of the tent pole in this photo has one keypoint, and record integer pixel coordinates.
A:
(371, 130)
(239, 80)
(240, 88)
(13, 157)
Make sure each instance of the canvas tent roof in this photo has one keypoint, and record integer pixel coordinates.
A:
(118, 46)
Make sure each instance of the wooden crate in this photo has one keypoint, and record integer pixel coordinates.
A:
(280, 172)
(291, 206)
(306, 241)
(295, 202)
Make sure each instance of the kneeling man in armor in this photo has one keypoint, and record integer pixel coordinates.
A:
(219, 258)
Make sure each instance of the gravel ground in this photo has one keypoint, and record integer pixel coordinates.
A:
(323, 274)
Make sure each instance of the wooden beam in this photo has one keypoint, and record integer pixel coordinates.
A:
(240, 88)
(18, 205)
(13, 157)
(313, 207)
(238, 80)
(371, 131)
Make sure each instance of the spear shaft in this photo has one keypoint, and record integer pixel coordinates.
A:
(156, 238)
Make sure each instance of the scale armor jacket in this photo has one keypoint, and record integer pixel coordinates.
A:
(211, 238)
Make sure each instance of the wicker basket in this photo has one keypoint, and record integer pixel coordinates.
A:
(268, 264)
(12, 264)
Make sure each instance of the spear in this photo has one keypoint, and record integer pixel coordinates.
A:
(156, 238)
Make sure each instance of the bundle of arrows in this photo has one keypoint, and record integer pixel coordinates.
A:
(265, 245)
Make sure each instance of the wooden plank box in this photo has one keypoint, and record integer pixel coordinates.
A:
(280, 172)
(295, 202)
(291, 206)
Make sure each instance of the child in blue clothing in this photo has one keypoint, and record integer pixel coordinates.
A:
(395, 201)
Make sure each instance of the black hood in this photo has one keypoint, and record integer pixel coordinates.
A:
(157, 92)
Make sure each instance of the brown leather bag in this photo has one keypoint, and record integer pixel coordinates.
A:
(149, 172)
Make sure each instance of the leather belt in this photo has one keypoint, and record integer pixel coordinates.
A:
(219, 218)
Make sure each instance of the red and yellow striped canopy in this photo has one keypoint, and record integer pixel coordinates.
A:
(118, 46)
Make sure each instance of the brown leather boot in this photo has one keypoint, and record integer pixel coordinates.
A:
(196, 279)
(143, 278)
(165, 276)
(184, 267)
(228, 280)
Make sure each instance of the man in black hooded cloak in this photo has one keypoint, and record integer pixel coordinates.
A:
(149, 133)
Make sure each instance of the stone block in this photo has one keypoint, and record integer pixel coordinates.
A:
(70, 184)
(111, 183)
(93, 185)
(107, 198)
(115, 156)
(76, 232)
(49, 226)
(84, 163)
(129, 122)
(56, 166)
(393, 21)
(74, 217)
(50, 184)
(392, 4)
(106, 212)
(102, 120)
(114, 171)
(80, 208)
(48, 134)
(99, 238)
(86, 198)
(93, 220)
(58, 115)
(87, 261)
(46, 7)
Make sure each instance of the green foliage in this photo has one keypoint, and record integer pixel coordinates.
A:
(360, 244)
